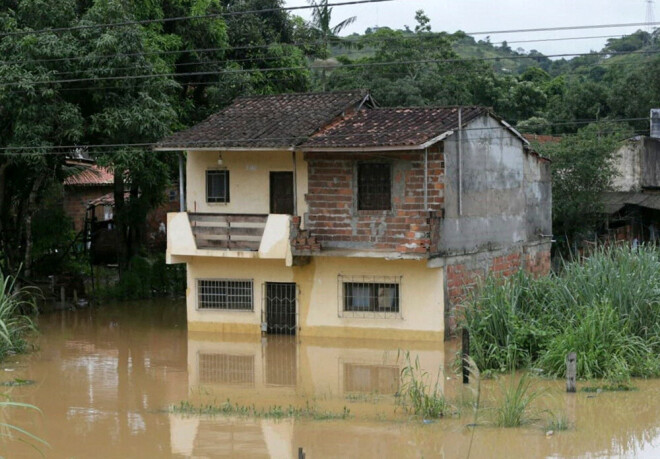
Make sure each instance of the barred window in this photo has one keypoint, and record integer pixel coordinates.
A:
(369, 296)
(217, 186)
(224, 294)
(374, 186)
(226, 369)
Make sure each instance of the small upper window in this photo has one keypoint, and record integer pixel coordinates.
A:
(217, 186)
(374, 186)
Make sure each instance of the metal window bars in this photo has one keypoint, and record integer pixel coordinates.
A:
(279, 308)
(369, 297)
(217, 185)
(374, 186)
(225, 294)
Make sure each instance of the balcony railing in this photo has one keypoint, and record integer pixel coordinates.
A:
(228, 231)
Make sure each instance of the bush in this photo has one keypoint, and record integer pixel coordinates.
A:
(606, 308)
(147, 278)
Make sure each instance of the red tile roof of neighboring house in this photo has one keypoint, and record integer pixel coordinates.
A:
(278, 121)
(540, 138)
(92, 175)
(392, 127)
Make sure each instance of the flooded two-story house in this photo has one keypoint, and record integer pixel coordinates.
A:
(324, 215)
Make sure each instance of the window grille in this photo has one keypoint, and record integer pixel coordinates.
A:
(224, 294)
(217, 186)
(369, 296)
(374, 186)
(226, 369)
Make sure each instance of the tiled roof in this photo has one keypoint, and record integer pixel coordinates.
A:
(92, 175)
(392, 127)
(278, 121)
(542, 138)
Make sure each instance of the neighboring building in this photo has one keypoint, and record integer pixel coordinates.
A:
(89, 183)
(323, 215)
(633, 208)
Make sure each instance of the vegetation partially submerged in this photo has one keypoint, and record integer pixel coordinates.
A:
(17, 304)
(418, 394)
(605, 307)
(228, 408)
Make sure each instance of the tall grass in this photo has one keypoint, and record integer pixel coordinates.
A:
(606, 308)
(513, 408)
(16, 306)
(418, 394)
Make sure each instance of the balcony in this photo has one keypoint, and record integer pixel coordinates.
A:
(228, 236)
(228, 231)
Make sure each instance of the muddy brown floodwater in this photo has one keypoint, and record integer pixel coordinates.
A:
(104, 379)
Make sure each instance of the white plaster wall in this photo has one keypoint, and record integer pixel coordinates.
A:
(627, 163)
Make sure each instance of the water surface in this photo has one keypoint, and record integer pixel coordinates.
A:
(105, 377)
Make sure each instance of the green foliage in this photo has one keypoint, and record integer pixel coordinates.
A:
(418, 394)
(274, 412)
(16, 304)
(147, 278)
(606, 308)
(582, 169)
(513, 405)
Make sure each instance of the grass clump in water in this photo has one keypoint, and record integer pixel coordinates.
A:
(605, 307)
(274, 412)
(418, 394)
(558, 423)
(16, 304)
(513, 407)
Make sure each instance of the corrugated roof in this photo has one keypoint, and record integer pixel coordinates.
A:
(278, 121)
(392, 127)
(92, 175)
(617, 200)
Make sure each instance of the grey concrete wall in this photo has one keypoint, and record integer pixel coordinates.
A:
(627, 164)
(650, 162)
(506, 193)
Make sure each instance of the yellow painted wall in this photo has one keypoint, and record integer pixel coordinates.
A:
(421, 296)
(249, 179)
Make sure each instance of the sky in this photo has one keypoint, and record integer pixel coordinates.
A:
(497, 15)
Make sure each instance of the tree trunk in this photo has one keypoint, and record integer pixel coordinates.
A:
(31, 209)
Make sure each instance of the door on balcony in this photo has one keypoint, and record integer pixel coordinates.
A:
(281, 308)
(281, 193)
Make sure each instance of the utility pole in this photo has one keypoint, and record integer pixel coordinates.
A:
(650, 15)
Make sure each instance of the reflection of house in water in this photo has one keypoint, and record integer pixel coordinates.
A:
(287, 365)
(286, 370)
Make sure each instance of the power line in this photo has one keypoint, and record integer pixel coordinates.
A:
(556, 29)
(202, 143)
(183, 18)
(314, 67)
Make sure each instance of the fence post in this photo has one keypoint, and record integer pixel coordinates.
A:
(62, 295)
(571, 371)
(301, 453)
(465, 354)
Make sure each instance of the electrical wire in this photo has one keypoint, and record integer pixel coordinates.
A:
(183, 18)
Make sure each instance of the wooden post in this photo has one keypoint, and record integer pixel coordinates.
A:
(301, 453)
(62, 295)
(465, 353)
(75, 297)
(571, 371)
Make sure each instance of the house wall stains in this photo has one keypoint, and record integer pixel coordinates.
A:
(335, 220)
(637, 165)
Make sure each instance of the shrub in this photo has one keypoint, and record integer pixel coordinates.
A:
(15, 306)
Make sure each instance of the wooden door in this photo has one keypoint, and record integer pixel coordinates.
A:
(281, 193)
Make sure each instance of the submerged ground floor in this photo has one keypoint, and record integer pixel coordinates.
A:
(328, 296)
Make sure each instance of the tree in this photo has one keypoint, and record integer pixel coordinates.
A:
(582, 170)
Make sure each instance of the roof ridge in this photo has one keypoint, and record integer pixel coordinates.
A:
(432, 107)
(300, 94)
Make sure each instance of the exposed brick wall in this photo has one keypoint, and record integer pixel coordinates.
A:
(463, 273)
(76, 200)
(333, 217)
